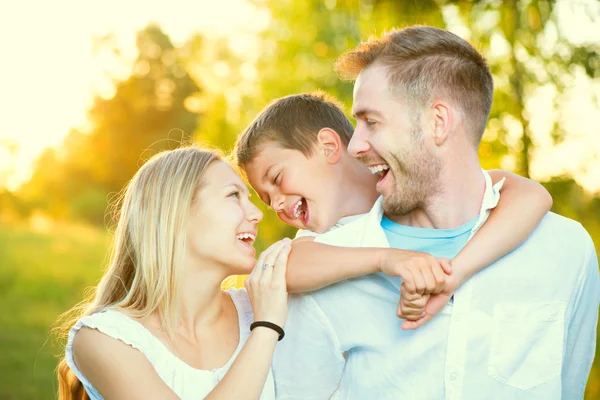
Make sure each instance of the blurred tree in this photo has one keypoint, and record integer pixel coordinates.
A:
(529, 55)
(145, 113)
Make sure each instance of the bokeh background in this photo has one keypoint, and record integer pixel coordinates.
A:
(90, 89)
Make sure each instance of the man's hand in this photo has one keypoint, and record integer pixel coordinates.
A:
(417, 310)
(427, 284)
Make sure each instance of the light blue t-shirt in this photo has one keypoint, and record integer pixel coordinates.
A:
(443, 243)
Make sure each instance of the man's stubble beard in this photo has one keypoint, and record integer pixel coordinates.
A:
(416, 178)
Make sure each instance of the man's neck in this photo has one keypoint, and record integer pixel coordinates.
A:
(457, 202)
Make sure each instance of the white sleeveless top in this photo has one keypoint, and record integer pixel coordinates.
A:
(187, 382)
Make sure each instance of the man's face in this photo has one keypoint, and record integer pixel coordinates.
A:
(300, 189)
(389, 139)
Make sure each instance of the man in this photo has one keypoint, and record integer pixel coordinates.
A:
(523, 329)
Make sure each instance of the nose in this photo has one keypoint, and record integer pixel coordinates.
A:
(277, 203)
(253, 214)
(359, 145)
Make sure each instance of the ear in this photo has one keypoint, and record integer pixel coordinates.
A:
(442, 121)
(330, 145)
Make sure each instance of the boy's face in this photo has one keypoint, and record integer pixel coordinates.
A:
(301, 190)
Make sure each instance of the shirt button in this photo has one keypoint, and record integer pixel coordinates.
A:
(453, 376)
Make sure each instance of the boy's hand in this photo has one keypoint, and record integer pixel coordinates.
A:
(421, 273)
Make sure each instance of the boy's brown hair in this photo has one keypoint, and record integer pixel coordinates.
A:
(293, 122)
(423, 62)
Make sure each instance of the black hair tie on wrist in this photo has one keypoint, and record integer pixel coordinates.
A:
(269, 325)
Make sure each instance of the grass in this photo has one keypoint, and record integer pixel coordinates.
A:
(43, 274)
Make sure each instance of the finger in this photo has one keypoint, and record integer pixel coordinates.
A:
(272, 256)
(257, 270)
(265, 257)
(280, 269)
(429, 278)
(408, 296)
(410, 325)
(417, 303)
(446, 265)
(411, 314)
(419, 281)
(408, 312)
(436, 304)
(408, 281)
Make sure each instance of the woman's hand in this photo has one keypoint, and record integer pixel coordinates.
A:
(266, 284)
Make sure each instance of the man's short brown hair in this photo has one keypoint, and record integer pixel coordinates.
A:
(424, 62)
(293, 122)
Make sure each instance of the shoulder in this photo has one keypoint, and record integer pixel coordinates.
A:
(348, 235)
(108, 349)
(108, 366)
(560, 249)
(102, 360)
(115, 330)
(90, 344)
(564, 234)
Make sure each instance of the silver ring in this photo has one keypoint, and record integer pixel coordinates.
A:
(265, 266)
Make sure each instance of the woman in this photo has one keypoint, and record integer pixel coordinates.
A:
(159, 326)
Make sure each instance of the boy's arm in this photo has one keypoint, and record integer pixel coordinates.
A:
(312, 266)
(522, 206)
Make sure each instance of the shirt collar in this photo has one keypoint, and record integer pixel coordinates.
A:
(375, 236)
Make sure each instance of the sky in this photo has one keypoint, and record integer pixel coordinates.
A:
(49, 75)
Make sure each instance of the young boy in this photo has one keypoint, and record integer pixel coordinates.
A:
(295, 157)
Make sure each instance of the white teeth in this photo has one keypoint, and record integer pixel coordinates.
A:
(297, 209)
(378, 168)
(246, 236)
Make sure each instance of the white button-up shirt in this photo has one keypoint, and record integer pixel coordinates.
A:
(523, 328)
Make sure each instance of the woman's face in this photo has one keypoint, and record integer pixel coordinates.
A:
(223, 223)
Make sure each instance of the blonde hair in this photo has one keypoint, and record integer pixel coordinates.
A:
(148, 248)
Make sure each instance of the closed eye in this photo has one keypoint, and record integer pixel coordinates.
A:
(235, 193)
(277, 179)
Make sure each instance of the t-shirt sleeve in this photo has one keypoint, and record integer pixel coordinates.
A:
(305, 233)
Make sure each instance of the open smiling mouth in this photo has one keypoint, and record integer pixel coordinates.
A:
(300, 210)
(246, 238)
(381, 169)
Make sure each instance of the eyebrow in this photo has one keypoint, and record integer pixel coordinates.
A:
(267, 201)
(360, 113)
(241, 188)
(264, 178)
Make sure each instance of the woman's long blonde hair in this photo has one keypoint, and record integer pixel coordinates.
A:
(148, 247)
